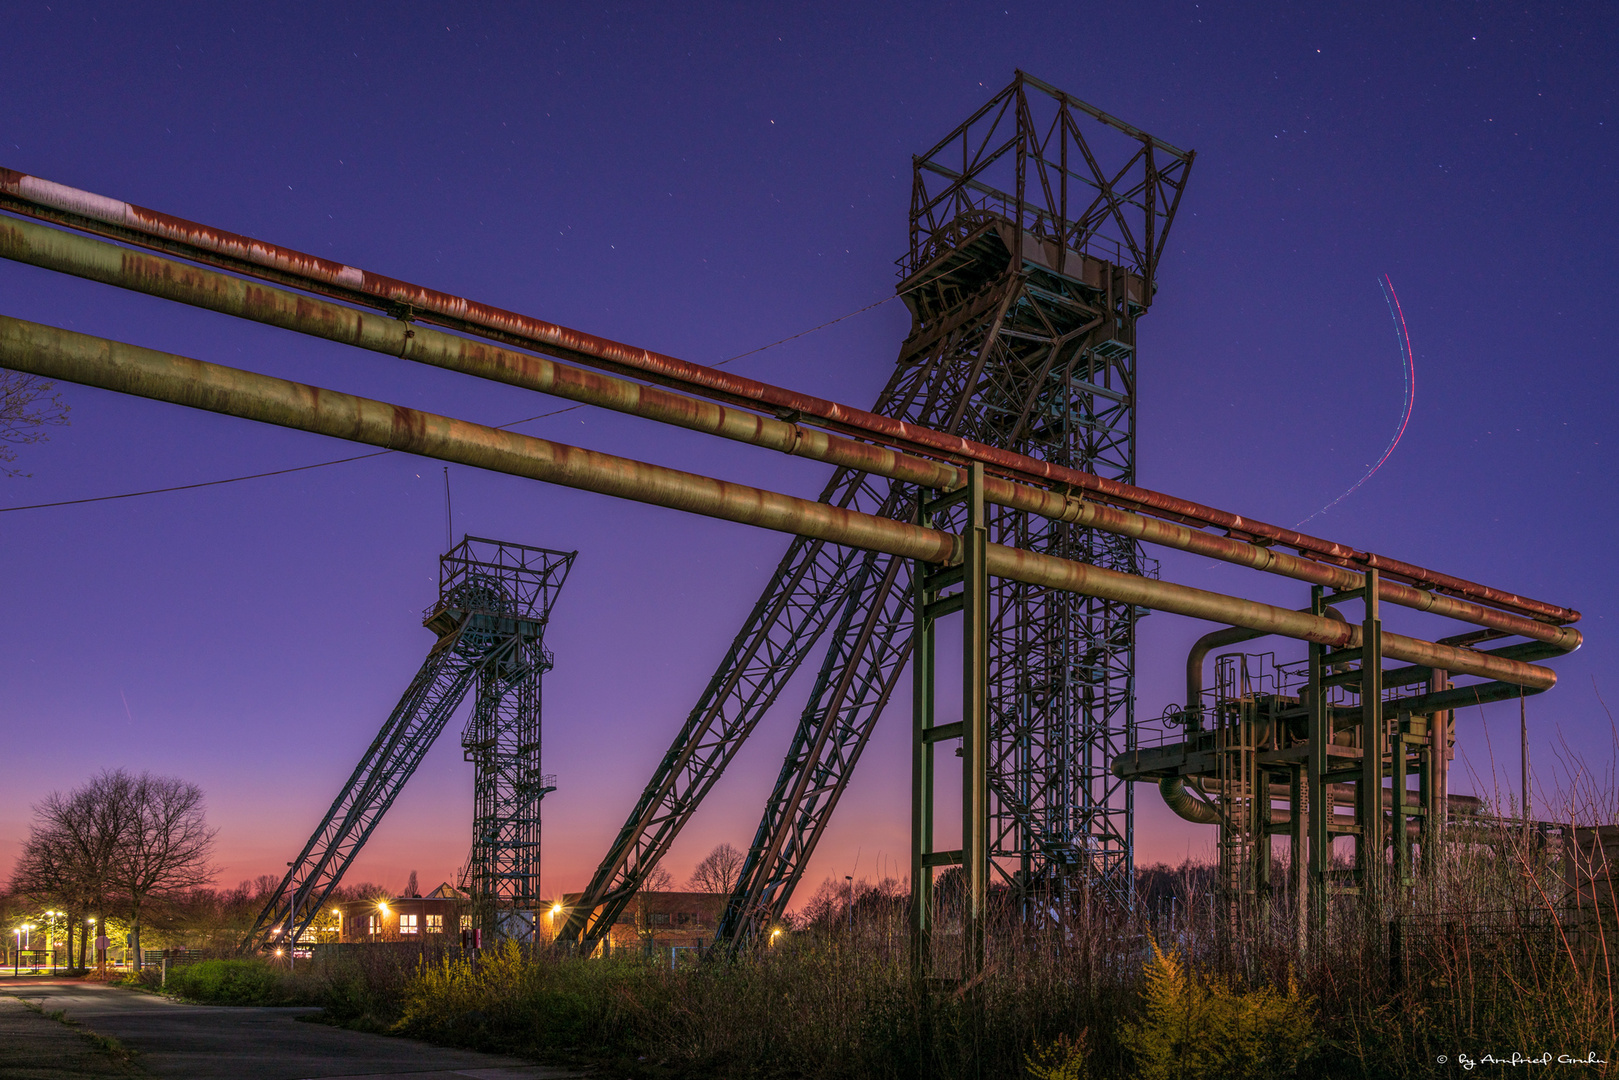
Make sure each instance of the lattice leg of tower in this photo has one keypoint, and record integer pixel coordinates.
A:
(810, 586)
(503, 742)
(392, 757)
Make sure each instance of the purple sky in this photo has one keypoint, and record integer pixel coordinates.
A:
(708, 182)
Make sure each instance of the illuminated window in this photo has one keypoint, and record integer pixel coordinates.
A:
(435, 924)
(373, 924)
(466, 922)
(407, 924)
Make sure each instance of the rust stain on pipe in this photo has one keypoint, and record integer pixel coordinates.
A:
(158, 276)
(41, 198)
(61, 354)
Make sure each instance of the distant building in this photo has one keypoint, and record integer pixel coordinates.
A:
(444, 911)
(657, 920)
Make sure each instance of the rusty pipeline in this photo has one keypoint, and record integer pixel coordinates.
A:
(185, 283)
(43, 199)
(54, 353)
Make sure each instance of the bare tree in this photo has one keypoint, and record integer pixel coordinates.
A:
(165, 846)
(115, 845)
(27, 405)
(718, 872)
(72, 847)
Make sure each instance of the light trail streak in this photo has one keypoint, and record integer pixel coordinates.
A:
(1408, 362)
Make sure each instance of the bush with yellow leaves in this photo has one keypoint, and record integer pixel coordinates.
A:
(1060, 1060)
(1195, 1029)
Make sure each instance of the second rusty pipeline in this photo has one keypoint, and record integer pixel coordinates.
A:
(54, 353)
(155, 275)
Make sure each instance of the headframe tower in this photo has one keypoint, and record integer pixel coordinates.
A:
(1036, 228)
(494, 603)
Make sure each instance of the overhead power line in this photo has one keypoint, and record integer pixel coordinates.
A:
(380, 453)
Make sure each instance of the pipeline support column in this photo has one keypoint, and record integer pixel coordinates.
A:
(930, 605)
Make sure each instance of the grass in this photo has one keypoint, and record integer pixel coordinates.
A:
(1490, 961)
(233, 982)
(120, 1054)
(1488, 954)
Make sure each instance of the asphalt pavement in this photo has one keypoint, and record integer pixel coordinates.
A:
(208, 1042)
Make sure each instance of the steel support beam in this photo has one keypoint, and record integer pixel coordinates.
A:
(930, 604)
(1372, 841)
(975, 834)
(1320, 809)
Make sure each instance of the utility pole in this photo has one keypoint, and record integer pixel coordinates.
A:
(1523, 760)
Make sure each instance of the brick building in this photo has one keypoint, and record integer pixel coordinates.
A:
(444, 911)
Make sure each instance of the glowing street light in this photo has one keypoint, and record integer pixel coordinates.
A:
(50, 937)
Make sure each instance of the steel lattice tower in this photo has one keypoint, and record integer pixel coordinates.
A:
(494, 602)
(1029, 264)
(503, 592)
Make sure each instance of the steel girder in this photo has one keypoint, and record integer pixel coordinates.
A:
(808, 588)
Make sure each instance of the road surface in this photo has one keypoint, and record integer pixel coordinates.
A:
(206, 1042)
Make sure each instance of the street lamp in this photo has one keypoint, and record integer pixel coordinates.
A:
(50, 937)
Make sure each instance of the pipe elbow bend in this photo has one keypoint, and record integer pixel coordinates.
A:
(1184, 803)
